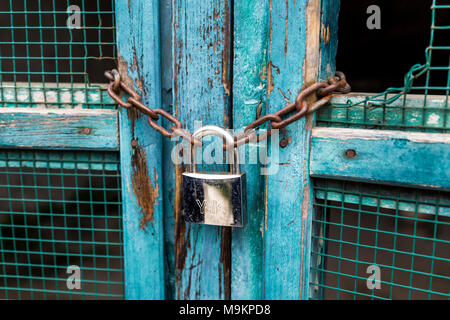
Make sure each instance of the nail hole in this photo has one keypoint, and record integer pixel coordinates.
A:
(350, 153)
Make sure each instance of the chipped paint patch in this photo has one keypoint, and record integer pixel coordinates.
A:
(146, 194)
(433, 119)
(366, 134)
(326, 34)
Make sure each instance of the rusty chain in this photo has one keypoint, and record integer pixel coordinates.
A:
(278, 120)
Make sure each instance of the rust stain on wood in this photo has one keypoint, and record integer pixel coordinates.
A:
(226, 51)
(123, 70)
(270, 84)
(181, 243)
(225, 261)
(132, 113)
(146, 194)
(286, 26)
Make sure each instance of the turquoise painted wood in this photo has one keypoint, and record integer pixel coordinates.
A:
(141, 166)
(303, 40)
(169, 168)
(286, 215)
(202, 89)
(251, 33)
(327, 65)
(42, 128)
(393, 157)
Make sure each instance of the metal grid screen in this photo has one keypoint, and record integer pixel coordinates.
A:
(44, 63)
(422, 104)
(60, 209)
(405, 232)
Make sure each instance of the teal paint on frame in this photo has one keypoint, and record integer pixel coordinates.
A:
(392, 157)
(284, 226)
(169, 167)
(251, 34)
(327, 67)
(58, 129)
(139, 63)
(202, 88)
(297, 56)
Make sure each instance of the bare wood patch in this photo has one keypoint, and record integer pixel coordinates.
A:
(146, 194)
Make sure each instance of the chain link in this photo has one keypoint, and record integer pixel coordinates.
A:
(278, 120)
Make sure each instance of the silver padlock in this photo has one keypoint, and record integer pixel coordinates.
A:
(215, 198)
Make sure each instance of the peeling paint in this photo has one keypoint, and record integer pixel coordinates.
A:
(325, 34)
(181, 243)
(225, 260)
(146, 194)
(140, 79)
(226, 52)
(270, 84)
(286, 26)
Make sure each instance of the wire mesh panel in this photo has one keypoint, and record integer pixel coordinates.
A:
(53, 52)
(60, 209)
(405, 232)
(422, 104)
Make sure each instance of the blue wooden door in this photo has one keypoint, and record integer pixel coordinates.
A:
(226, 63)
(222, 63)
(360, 184)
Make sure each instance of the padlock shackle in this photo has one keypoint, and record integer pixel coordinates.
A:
(233, 154)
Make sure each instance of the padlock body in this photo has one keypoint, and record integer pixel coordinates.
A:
(214, 199)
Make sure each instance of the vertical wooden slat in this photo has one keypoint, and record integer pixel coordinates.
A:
(201, 53)
(139, 65)
(251, 31)
(328, 50)
(169, 168)
(294, 61)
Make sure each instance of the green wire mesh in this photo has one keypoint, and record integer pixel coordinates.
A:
(60, 209)
(44, 63)
(422, 104)
(403, 231)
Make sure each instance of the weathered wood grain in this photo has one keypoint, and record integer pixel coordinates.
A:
(202, 89)
(42, 128)
(140, 153)
(293, 53)
(393, 157)
(169, 168)
(327, 65)
(251, 31)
